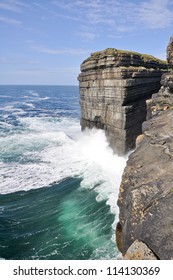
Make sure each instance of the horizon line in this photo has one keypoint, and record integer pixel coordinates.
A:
(36, 85)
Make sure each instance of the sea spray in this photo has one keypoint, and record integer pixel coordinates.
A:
(51, 155)
(57, 183)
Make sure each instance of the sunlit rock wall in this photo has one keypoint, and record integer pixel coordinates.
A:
(114, 86)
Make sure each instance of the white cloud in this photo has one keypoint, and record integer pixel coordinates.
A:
(53, 12)
(10, 21)
(70, 51)
(88, 35)
(3, 60)
(123, 28)
(17, 61)
(13, 6)
(117, 16)
(155, 13)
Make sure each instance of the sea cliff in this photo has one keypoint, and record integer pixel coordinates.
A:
(130, 96)
(114, 87)
(145, 228)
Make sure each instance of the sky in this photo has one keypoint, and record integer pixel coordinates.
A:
(43, 42)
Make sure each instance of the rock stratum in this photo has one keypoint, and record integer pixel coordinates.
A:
(114, 87)
(145, 228)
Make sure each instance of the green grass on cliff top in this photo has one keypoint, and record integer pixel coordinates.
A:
(114, 52)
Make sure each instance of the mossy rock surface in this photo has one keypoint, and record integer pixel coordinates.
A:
(144, 59)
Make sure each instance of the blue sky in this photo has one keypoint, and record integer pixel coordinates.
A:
(45, 41)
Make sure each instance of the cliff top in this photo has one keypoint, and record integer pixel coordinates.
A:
(114, 52)
(126, 58)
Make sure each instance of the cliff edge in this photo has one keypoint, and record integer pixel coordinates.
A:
(114, 85)
(145, 228)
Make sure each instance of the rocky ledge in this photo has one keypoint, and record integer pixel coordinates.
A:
(114, 86)
(145, 228)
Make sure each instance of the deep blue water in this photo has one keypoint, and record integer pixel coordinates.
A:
(58, 186)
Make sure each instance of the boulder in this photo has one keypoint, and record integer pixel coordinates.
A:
(139, 251)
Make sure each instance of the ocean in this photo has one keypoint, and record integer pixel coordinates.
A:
(58, 185)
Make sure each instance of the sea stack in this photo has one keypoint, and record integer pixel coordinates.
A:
(114, 87)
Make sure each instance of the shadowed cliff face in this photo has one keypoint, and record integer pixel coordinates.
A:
(114, 86)
(146, 191)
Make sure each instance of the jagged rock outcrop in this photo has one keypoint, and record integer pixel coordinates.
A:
(114, 86)
(170, 51)
(146, 192)
(139, 251)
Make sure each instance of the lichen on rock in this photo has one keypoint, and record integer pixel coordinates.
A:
(139, 251)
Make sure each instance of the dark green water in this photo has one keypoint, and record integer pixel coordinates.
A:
(63, 221)
(40, 143)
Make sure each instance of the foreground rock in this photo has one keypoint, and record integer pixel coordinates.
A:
(146, 192)
(139, 251)
(114, 86)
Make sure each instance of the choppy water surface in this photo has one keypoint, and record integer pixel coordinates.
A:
(58, 186)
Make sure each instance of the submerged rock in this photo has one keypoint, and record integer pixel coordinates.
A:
(114, 86)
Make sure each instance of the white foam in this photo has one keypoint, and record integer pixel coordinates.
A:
(104, 167)
(48, 125)
(8, 108)
(5, 125)
(33, 93)
(30, 105)
(89, 156)
(62, 151)
(18, 112)
(11, 108)
(5, 96)
(36, 96)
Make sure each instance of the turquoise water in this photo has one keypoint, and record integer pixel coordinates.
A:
(58, 186)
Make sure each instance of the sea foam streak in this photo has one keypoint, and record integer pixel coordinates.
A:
(41, 147)
(58, 156)
(52, 150)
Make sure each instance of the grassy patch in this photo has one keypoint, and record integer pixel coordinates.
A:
(114, 52)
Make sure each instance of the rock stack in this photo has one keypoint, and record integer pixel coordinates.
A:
(114, 87)
(145, 228)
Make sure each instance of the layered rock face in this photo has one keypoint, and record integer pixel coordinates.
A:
(146, 192)
(114, 86)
